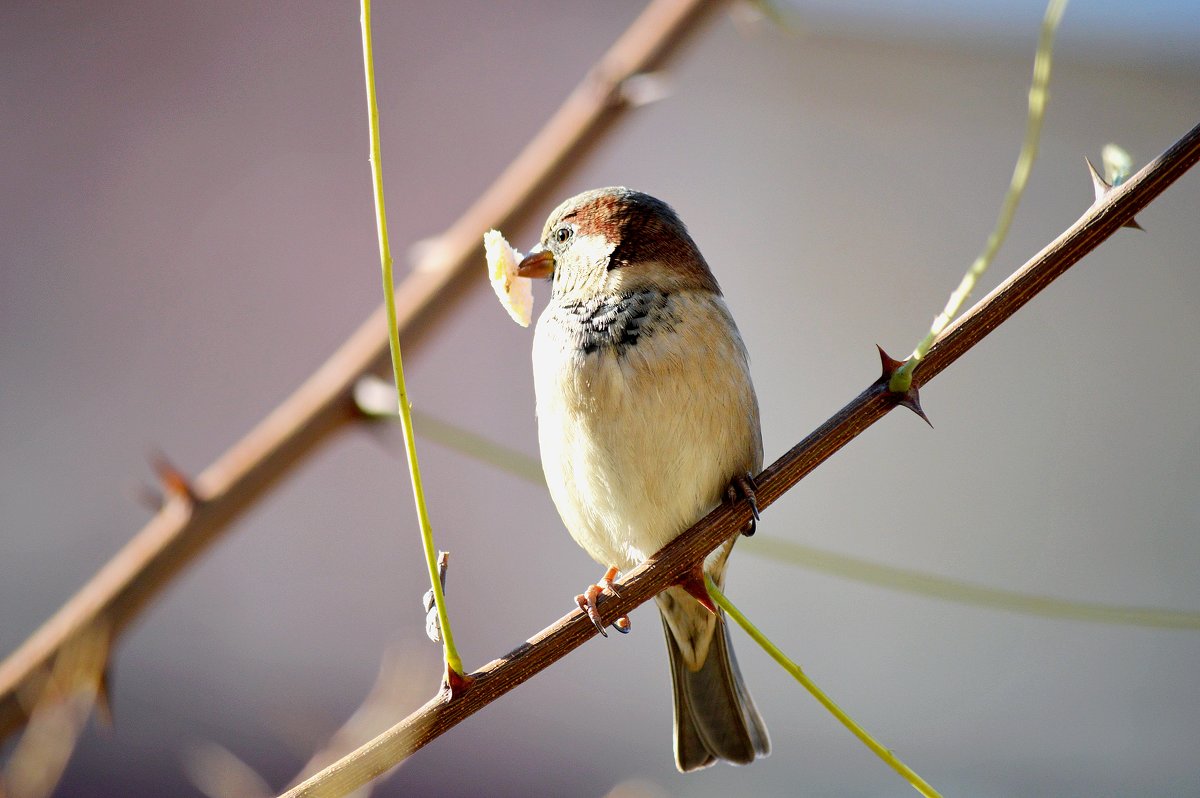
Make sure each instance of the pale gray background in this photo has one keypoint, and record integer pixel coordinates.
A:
(186, 231)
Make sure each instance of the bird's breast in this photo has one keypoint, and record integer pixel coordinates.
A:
(615, 324)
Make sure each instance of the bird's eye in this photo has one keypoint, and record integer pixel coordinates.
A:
(562, 234)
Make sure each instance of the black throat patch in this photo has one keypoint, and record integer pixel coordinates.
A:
(616, 323)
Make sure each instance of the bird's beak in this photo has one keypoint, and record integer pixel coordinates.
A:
(538, 263)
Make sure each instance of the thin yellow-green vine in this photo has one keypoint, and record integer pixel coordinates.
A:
(901, 379)
(453, 661)
(892, 761)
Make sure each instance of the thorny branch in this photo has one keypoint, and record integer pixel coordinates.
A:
(194, 517)
(195, 514)
(493, 680)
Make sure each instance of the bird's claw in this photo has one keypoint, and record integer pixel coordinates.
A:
(587, 602)
(743, 487)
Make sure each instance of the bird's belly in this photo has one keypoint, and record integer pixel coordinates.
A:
(638, 444)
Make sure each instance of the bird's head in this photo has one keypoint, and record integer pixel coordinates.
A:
(613, 241)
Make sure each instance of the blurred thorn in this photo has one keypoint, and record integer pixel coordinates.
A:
(174, 481)
(1102, 187)
(433, 624)
(104, 710)
(910, 398)
(645, 88)
(218, 773)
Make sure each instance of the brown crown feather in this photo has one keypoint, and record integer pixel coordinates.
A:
(644, 228)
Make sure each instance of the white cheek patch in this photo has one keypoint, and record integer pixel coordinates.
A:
(586, 264)
(594, 248)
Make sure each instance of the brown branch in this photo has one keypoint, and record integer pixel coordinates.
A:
(678, 557)
(191, 520)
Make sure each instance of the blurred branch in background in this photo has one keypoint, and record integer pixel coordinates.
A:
(192, 519)
(401, 683)
(498, 677)
(58, 711)
(941, 588)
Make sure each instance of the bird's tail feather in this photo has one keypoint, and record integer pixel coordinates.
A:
(715, 717)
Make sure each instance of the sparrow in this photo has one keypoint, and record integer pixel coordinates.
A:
(647, 419)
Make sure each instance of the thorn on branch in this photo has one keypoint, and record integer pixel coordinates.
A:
(104, 702)
(1102, 187)
(174, 481)
(693, 583)
(910, 398)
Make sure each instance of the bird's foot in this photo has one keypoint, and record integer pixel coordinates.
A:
(743, 487)
(587, 602)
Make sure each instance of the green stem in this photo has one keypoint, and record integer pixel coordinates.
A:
(901, 379)
(453, 661)
(791, 667)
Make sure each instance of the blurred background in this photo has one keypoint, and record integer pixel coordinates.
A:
(186, 232)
